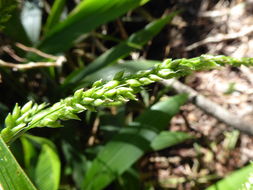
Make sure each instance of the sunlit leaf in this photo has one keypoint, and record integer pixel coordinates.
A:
(47, 171)
(130, 144)
(42, 162)
(235, 180)
(12, 177)
(121, 50)
(168, 138)
(55, 14)
(88, 15)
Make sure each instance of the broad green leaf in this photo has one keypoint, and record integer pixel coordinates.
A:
(55, 14)
(39, 141)
(47, 171)
(235, 180)
(129, 180)
(30, 155)
(88, 15)
(130, 67)
(169, 138)
(15, 30)
(130, 144)
(41, 161)
(108, 73)
(31, 148)
(136, 40)
(6, 9)
(12, 177)
(74, 158)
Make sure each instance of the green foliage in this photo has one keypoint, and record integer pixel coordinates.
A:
(135, 41)
(15, 121)
(89, 14)
(6, 9)
(233, 181)
(48, 168)
(112, 160)
(168, 138)
(12, 177)
(115, 92)
(46, 171)
(134, 140)
(231, 88)
(248, 185)
(55, 14)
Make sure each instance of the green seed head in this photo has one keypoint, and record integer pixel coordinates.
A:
(164, 73)
(87, 100)
(78, 94)
(99, 93)
(145, 81)
(26, 107)
(111, 84)
(88, 93)
(98, 102)
(110, 93)
(133, 83)
(97, 83)
(155, 77)
(16, 112)
(9, 121)
(123, 90)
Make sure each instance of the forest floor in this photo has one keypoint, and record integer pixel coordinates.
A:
(208, 27)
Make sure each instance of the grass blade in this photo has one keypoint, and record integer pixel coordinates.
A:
(122, 50)
(169, 138)
(234, 181)
(47, 171)
(107, 73)
(15, 30)
(130, 144)
(131, 179)
(88, 15)
(55, 14)
(12, 177)
(42, 162)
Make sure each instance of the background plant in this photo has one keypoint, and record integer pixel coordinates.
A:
(91, 157)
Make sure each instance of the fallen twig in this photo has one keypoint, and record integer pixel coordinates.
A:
(11, 53)
(211, 107)
(57, 60)
(31, 65)
(220, 38)
(36, 51)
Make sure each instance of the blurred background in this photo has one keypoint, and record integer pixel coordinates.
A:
(77, 42)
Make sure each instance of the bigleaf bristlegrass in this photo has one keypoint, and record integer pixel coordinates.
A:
(107, 93)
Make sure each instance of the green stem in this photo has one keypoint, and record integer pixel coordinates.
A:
(115, 92)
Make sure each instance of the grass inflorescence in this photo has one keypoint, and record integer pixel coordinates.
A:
(111, 93)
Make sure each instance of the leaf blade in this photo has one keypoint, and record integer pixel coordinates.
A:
(54, 16)
(41, 161)
(134, 140)
(123, 49)
(88, 13)
(47, 171)
(9, 167)
(169, 138)
(235, 180)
